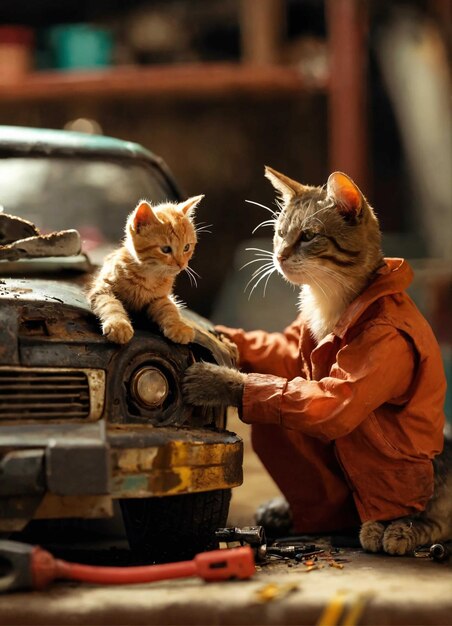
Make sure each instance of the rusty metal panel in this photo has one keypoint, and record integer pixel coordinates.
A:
(176, 464)
(35, 290)
(8, 333)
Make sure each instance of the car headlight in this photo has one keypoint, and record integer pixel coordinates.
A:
(149, 387)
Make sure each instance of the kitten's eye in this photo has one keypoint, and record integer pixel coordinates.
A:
(187, 247)
(307, 235)
(166, 249)
(280, 234)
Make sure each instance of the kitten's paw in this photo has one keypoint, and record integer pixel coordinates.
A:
(371, 536)
(400, 538)
(118, 331)
(206, 384)
(179, 333)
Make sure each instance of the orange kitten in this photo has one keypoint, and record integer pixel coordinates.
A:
(139, 276)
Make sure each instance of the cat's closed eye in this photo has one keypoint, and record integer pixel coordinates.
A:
(166, 249)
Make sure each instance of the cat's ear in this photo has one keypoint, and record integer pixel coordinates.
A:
(345, 194)
(143, 216)
(287, 187)
(188, 206)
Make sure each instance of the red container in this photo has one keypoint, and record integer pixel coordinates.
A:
(16, 57)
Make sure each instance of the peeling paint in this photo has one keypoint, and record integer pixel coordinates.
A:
(137, 460)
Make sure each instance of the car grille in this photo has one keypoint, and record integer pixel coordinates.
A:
(35, 393)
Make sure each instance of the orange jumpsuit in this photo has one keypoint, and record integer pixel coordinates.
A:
(348, 427)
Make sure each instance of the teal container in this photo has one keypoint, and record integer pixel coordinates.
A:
(80, 46)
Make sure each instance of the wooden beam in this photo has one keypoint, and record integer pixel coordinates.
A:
(346, 22)
(191, 82)
(262, 25)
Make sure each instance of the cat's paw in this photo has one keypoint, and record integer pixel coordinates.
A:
(206, 384)
(118, 331)
(179, 333)
(231, 347)
(400, 538)
(371, 536)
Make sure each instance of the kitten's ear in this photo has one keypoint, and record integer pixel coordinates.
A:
(143, 216)
(188, 207)
(345, 195)
(283, 184)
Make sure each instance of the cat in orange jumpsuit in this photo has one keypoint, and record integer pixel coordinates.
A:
(346, 404)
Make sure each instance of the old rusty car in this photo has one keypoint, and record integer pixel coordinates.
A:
(84, 422)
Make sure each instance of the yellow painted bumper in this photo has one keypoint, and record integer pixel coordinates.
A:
(148, 462)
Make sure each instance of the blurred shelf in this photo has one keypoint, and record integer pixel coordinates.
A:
(194, 81)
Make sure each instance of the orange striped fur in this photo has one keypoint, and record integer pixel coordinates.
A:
(139, 276)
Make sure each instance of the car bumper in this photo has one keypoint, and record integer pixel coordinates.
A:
(67, 470)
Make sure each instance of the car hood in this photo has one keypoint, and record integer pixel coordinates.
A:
(38, 308)
(23, 291)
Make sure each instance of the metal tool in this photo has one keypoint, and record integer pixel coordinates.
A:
(251, 535)
(254, 536)
(439, 552)
(31, 567)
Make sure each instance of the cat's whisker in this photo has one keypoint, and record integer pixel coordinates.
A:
(203, 229)
(190, 278)
(261, 269)
(267, 208)
(265, 223)
(312, 275)
(317, 283)
(266, 282)
(192, 275)
(256, 273)
(266, 252)
(279, 204)
(341, 282)
(261, 278)
(259, 260)
(193, 271)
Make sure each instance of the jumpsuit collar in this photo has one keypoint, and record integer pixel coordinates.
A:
(395, 276)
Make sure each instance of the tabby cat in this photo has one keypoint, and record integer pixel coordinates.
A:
(139, 276)
(327, 240)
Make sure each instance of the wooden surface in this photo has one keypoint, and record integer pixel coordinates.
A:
(188, 81)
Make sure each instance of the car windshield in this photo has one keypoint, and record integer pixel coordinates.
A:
(90, 195)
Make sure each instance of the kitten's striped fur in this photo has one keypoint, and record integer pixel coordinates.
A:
(139, 276)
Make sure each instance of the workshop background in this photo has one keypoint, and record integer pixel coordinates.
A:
(219, 88)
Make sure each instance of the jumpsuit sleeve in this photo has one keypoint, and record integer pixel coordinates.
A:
(375, 368)
(265, 353)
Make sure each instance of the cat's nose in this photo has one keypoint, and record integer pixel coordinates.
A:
(283, 254)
